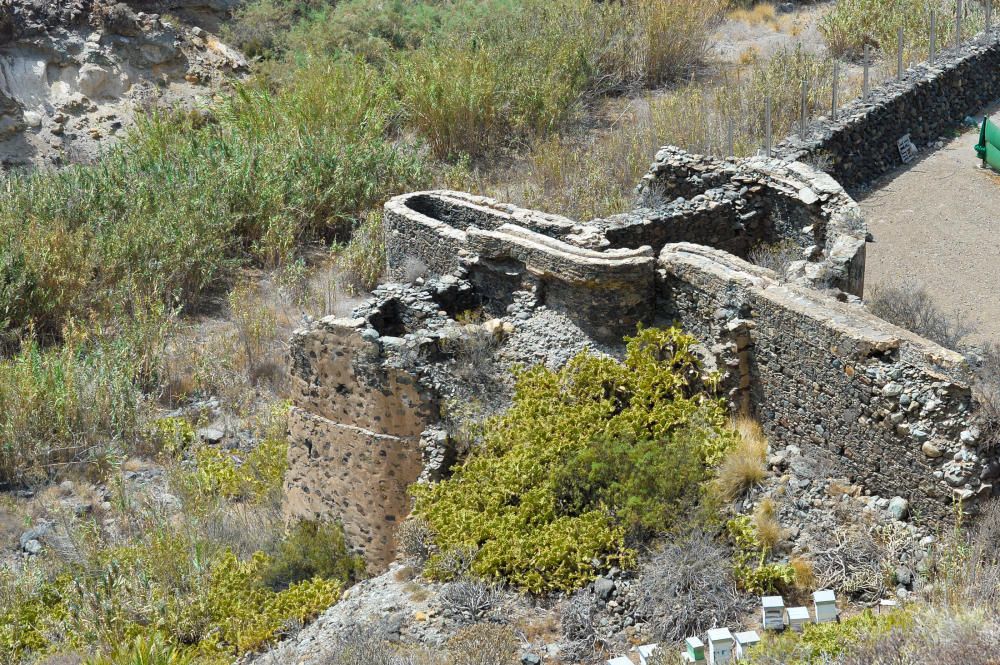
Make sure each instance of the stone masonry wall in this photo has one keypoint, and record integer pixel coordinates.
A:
(860, 145)
(749, 203)
(864, 398)
(355, 428)
(431, 227)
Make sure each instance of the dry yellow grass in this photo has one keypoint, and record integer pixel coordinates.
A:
(762, 13)
(805, 576)
(749, 56)
(743, 467)
(769, 531)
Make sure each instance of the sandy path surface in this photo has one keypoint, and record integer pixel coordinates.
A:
(937, 223)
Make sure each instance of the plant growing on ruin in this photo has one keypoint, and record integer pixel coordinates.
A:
(743, 467)
(752, 569)
(533, 525)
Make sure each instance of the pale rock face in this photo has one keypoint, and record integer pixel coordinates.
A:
(96, 82)
(73, 73)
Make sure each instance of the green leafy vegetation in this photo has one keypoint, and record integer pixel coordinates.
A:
(753, 571)
(818, 643)
(218, 578)
(523, 515)
(852, 24)
(312, 549)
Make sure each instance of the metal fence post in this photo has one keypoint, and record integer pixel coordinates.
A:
(767, 127)
(933, 53)
(989, 15)
(866, 87)
(804, 113)
(958, 23)
(899, 54)
(836, 81)
(705, 127)
(730, 138)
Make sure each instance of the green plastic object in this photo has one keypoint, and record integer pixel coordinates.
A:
(989, 135)
(993, 156)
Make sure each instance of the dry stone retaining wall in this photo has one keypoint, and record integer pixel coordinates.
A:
(858, 395)
(931, 99)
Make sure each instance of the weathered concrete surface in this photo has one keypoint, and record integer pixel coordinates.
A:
(355, 427)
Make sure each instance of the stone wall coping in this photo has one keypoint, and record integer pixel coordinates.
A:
(544, 255)
(482, 204)
(850, 320)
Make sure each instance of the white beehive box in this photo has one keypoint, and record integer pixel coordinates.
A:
(694, 651)
(773, 612)
(645, 652)
(621, 660)
(745, 641)
(798, 617)
(825, 606)
(720, 646)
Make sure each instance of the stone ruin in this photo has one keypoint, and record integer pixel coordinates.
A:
(871, 402)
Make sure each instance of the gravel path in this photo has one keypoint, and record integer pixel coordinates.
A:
(937, 223)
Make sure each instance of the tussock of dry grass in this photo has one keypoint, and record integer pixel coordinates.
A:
(762, 13)
(805, 576)
(769, 531)
(743, 467)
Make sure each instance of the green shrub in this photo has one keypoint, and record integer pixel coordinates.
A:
(524, 75)
(149, 649)
(256, 478)
(645, 484)
(362, 261)
(313, 549)
(377, 29)
(175, 209)
(77, 403)
(502, 503)
(236, 612)
(261, 27)
(167, 590)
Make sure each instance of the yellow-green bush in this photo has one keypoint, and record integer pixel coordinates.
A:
(240, 613)
(312, 549)
(172, 435)
(201, 600)
(149, 649)
(819, 643)
(853, 23)
(258, 477)
(503, 502)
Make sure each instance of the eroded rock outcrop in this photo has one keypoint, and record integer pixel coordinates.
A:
(73, 73)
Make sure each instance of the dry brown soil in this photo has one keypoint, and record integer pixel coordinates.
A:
(937, 223)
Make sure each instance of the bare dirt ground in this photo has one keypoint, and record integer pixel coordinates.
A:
(937, 223)
(741, 35)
